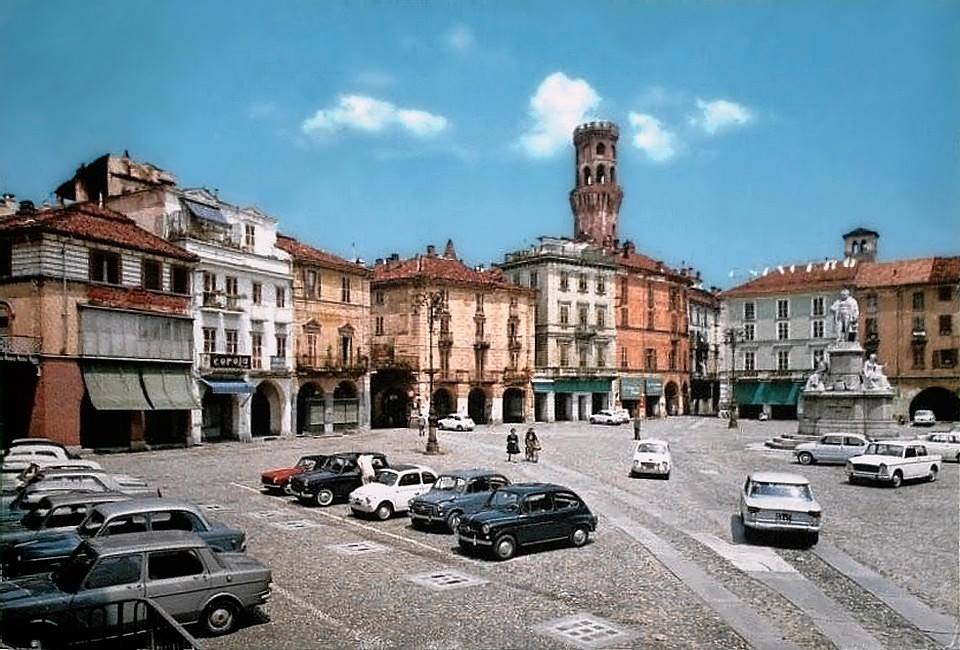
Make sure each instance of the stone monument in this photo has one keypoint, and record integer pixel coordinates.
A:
(846, 394)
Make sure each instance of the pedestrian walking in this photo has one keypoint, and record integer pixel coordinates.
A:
(422, 424)
(365, 463)
(532, 445)
(513, 445)
(636, 428)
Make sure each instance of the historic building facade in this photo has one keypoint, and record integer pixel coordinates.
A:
(575, 335)
(331, 303)
(705, 340)
(480, 349)
(96, 342)
(242, 299)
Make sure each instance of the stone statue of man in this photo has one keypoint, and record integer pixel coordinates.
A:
(846, 314)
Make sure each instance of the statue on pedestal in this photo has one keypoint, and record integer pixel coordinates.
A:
(873, 375)
(846, 315)
(815, 380)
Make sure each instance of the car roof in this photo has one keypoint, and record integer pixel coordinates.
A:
(653, 440)
(778, 477)
(17, 442)
(528, 488)
(471, 473)
(135, 506)
(898, 442)
(404, 468)
(77, 498)
(157, 540)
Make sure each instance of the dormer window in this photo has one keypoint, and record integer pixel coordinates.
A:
(249, 236)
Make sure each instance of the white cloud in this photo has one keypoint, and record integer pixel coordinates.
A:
(371, 115)
(559, 105)
(719, 115)
(460, 38)
(652, 138)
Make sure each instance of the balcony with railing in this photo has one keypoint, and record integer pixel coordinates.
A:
(328, 364)
(20, 348)
(584, 331)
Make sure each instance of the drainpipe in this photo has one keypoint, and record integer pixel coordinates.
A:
(63, 301)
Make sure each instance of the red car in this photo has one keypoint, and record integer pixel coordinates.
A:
(278, 480)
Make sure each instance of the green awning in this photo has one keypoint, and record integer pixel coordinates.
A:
(750, 392)
(631, 388)
(169, 389)
(782, 393)
(581, 386)
(115, 388)
(542, 385)
(654, 386)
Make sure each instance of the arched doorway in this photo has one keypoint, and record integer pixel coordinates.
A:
(391, 391)
(443, 404)
(685, 392)
(265, 410)
(944, 403)
(671, 395)
(477, 406)
(310, 409)
(512, 405)
(346, 406)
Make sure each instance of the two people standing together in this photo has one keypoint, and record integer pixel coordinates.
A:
(531, 444)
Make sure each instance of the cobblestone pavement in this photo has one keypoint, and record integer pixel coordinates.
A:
(667, 568)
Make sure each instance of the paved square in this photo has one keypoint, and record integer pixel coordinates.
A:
(445, 580)
(358, 548)
(584, 631)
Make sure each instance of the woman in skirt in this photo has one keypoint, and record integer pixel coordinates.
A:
(513, 445)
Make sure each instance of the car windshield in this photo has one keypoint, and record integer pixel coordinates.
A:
(387, 477)
(503, 499)
(306, 463)
(880, 449)
(34, 519)
(70, 575)
(651, 448)
(91, 525)
(786, 490)
(334, 465)
(449, 483)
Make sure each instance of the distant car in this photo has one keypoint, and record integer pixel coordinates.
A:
(457, 422)
(455, 494)
(44, 449)
(122, 518)
(610, 416)
(781, 502)
(831, 448)
(524, 514)
(337, 478)
(46, 482)
(652, 457)
(893, 462)
(176, 569)
(56, 512)
(945, 444)
(391, 491)
(278, 480)
(924, 418)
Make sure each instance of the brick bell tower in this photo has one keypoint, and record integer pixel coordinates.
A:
(596, 197)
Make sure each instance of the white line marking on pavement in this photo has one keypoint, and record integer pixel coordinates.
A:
(372, 529)
(751, 559)
(326, 618)
(709, 471)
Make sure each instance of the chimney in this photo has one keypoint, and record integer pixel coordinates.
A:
(394, 257)
(378, 262)
(431, 250)
(450, 252)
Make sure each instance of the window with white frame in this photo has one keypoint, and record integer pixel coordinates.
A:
(783, 308)
(281, 296)
(783, 330)
(209, 339)
(310, 285)
(749, 311)
(783, 360)
(816, 329)
(564, 354)
(564, 281)
(816, 307)
(281, 345)
(232, 338)
(817, 357)
(564, 314)
(256, 350)
(256, 289)
(249, 235)
(749, 360)
(749, 331)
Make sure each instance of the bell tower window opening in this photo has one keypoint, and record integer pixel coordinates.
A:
(601, 149)
(587, 179)
(601, 174)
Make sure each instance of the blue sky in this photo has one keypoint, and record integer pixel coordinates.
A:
(751, 132)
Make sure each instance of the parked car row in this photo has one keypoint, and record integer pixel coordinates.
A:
(482, 507)
(882, 461)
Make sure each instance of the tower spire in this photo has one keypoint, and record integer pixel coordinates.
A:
(596, 196)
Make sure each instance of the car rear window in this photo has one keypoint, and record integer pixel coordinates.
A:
(786, 490)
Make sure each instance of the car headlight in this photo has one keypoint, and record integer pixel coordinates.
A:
(849, 466)
(485, 529)
(883, 469)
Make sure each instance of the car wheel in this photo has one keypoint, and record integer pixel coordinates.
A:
(897, 479)
(453, 520)
(288, 489)
(459, 427)
(384, 511)
(579, 536)
(956, 458)
(853, 480)
(932, 476)
(805, 458)
(40, 636)
(220, 617)
(505, 547)
(324, 498)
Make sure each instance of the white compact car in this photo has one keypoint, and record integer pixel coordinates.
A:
(945, 444)
(652, 458)
(893, 462)
(924, 418)
(457, 422)
(392, 490)
(610, 416)
(831, 448)
(781, 502)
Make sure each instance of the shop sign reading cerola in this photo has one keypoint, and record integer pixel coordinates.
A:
(230, 361)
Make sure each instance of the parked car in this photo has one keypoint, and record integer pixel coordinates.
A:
(87, 480)
(780, 502)
(56, 512)
(457, 422)
(831, 448)
(45, 449)
(19, 472)
(610, 416)
(652, 457)
(278, 480)
(455, 494)
(122, 518)
(174, 568)
(893, 462)
(924, 418)
(338, 477)
(946, 444)
(524, 514)
(392, 490)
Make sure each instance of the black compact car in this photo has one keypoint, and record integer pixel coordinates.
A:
(525, 514)
(336, 479)
(454, 494)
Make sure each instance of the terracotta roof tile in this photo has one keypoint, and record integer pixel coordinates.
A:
(306, 253)
(899, 272)
(91, 222)
(798, 277)
(628, 258)
(945, 269)
(439, 268)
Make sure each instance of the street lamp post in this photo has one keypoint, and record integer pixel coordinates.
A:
(435, 303)
(731, 336)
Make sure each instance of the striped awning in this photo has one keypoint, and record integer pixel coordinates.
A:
(115, 388)
(169, 389)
